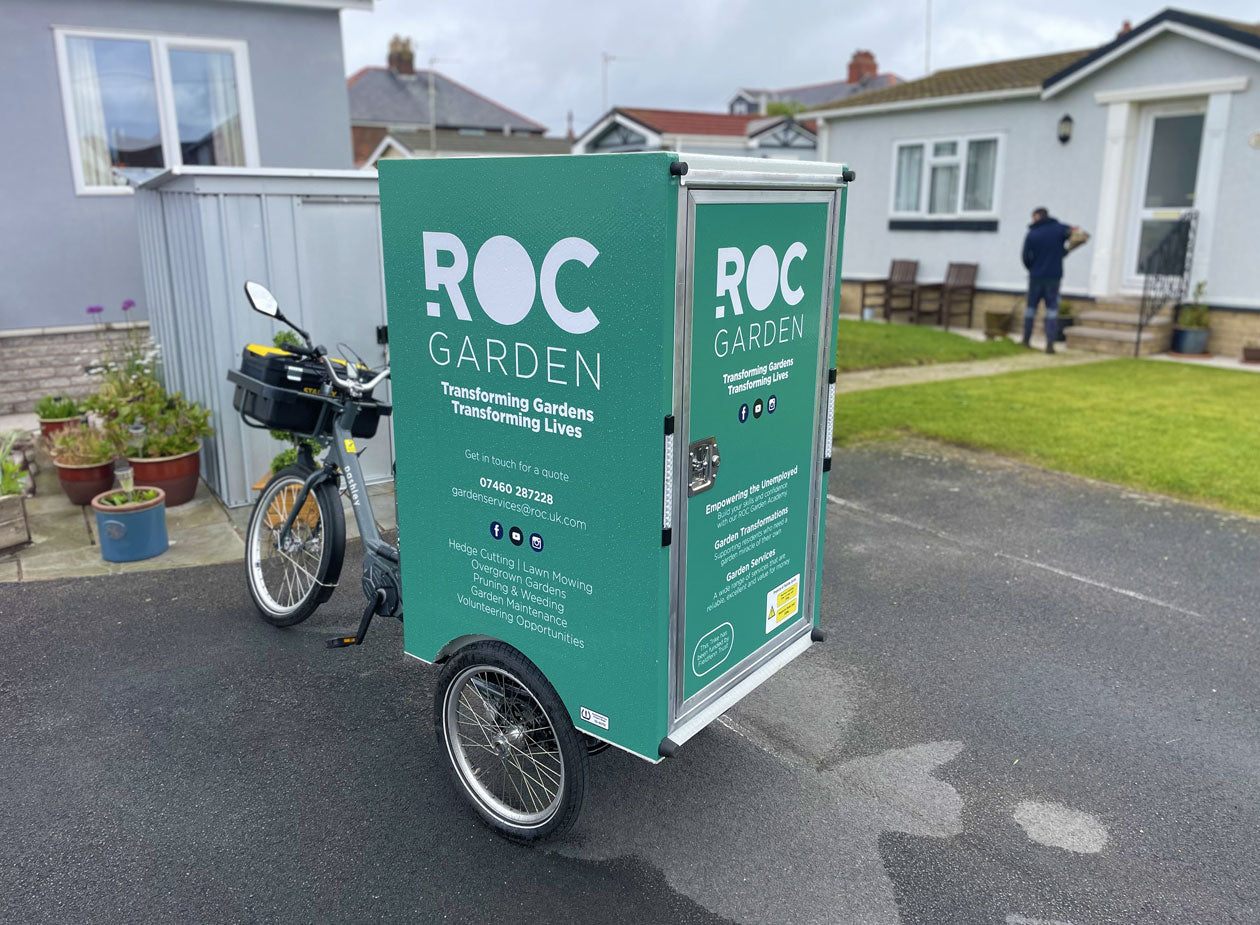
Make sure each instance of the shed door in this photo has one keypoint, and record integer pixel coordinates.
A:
(754, 390)
(337, 238)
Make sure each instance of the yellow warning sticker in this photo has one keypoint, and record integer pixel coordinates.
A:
(350, 446)
(783, 603)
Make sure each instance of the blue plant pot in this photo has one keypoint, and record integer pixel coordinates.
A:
(1190, 341)
(133, 531)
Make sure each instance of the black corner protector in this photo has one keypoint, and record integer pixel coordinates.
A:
(669, 424)
(667, 536)
(817, 634)
(382, 334)
(831, 375)
(848, 176)
(668, 748)
(678, 168)
(826, 464)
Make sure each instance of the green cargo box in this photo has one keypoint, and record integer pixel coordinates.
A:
(613, 395)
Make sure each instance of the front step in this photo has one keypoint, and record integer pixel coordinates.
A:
(1120, 321)
(1155, 339)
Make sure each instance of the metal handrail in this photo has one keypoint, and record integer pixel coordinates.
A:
(1165, 270)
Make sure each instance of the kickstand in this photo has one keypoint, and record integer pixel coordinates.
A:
(368, 612)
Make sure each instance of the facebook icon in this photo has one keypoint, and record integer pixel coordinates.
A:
(496, 530)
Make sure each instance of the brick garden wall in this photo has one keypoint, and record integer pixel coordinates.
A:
(1231, 331)
(39, 362)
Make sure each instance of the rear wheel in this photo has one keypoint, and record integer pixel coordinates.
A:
(289, 580)
(512, 747)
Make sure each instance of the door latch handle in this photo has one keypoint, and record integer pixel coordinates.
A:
(703, 461)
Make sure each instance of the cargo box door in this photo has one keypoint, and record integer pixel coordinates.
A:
(754, 389)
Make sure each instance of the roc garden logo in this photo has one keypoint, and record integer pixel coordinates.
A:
(504, 279)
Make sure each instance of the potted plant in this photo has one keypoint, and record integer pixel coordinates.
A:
(163, 442)
(1067, 318)
(1251, 353)
(84, 457)
(56, 412)
(14, 529)
(131, 524)
(996, 324)
(1190, 335)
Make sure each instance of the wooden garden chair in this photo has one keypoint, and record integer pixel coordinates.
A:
(895, 294)
(953, 296)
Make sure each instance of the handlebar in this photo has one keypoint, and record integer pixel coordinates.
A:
(352, 387)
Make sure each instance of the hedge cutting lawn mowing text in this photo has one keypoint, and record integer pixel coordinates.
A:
(1187, 431)
(869, 345)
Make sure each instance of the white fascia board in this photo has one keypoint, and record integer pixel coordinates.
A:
(367, 6)
(1177, 28)
(389, 141)
(1172, 91)
(653, 139)
(930, 102)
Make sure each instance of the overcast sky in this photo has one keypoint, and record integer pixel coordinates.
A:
(543, 57)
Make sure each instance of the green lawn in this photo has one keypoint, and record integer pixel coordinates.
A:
(1187, 431)
(875, 346)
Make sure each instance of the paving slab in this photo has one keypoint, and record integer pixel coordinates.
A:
(9, 571)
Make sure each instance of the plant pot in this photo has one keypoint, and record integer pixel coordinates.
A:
(82, 483)
(14, 529)
(1251, 355)
(49, 427)
(996, 324)
(131, 532)
(175, 475)
(868, 313)
(1064, 323)
(1190, 342)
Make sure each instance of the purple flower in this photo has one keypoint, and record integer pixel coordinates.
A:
(95, 309)
(128, 304)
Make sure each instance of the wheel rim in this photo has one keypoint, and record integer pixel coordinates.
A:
(504, 746)
(284, 576)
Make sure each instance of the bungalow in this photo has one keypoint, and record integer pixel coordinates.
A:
(397, 111)
(1154, 131)
(107, 93)
(757, 123)
(748, 135)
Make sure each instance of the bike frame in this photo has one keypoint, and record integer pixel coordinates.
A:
(381, 574)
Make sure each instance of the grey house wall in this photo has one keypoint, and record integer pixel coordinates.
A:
(1036, 169)
(61, 252)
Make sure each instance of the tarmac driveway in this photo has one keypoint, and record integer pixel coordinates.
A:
(1037, 703)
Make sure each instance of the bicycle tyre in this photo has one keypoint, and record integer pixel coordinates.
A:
(311, 581)
(491, 742)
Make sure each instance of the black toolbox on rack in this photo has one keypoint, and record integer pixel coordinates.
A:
(282, 391)
(279, 389)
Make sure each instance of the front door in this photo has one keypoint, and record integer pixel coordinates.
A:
(1167, 178)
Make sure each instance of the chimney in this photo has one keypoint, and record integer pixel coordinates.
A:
(1125, 28)
(401, 60)
(861, 66)
(569, 134)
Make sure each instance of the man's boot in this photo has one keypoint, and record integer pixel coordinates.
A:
(1052, 331)
(1028, 329)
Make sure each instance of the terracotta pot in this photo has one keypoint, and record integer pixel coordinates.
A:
(82, 483)
(175, 475)
(48, 427)
(1251, 355)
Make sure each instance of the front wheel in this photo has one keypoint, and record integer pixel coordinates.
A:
(512, 747)
(289, 580)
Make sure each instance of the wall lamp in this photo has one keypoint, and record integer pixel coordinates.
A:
(1065, 129)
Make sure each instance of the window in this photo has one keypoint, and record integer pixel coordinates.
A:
(946, 177)
(137, 104)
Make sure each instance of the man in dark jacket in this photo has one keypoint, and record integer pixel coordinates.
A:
(1044, 249)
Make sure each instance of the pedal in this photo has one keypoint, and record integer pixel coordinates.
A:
(341, 642)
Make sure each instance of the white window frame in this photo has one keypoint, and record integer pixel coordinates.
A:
(160, 45)
(960, 159)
